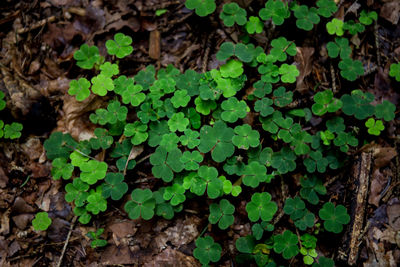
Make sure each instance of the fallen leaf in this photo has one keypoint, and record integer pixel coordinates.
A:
(393, 213)
(172, 257)
(378, 183)
(304, 60)
(22, 220)
(391, 11)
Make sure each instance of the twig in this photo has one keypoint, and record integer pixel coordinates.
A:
(334, 89)
(361, 200)
(144, 158)
(207, 53)
(332, 180)
(67, 240)
(36, 25)
(378, 55)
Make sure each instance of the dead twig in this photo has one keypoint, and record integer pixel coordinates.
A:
(71, 227)
(334, 88)
(376, 33)
(36, 25)
(207, 52)
(363, 177)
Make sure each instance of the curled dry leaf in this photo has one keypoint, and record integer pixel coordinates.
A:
(304, 60)
(391, 11)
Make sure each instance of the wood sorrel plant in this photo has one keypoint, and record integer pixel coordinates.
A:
(195, 124)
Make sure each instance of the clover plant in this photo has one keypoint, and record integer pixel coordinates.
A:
(226, 132)
(97, 242)
(41, 221)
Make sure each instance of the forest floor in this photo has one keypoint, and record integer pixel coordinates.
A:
(38, 40)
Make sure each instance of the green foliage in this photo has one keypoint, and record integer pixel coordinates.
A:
(335, 26)
(245, 137)
(142, 204)
(286, 244)
(191, 160)
(207, 250)
(395, 71)
(101, 84)
(201, 7)
(120, 46)
(367, 18)
(334, 217)
(41, 221)
(13, 130)
(306, 17)
(233, 109)
(310, 188)
(351, 69)
(165, 163)
(232, 13)
(339, 47)
(261, 207)
(232, 69)
(374, 127)
(353, 28)
(87, 56)
(288, 73)
(281, 48)
(115, 187)
(385, 110)
(358, 104)
(222, 214)
(254, 25)
(80, 88)
(175, 194)
(324, 262)
(97, 242)
(138, 132)
(276, 10)
(59, 145)
(2, 101)
(326, 8)
(61, 169)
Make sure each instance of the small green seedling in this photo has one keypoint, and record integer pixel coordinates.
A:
(13, 130)
(41, 221)
(325, 102)
(254, 25)
(358, 104)
(232, 13)
(79, 88)
(335, 26)
(286, 244)
(97, 242)
(353, 28)
(339, 47)
(367, 18)
(207, 250)
(120, 46)
(142, 204)
(385, 110)
(87, 56)
(334, 217)
(276, 10)
(374, 127)
(351, 69)
(306, 17)
(201, 7)
(326, 8)
(114, 186)
(261, 207)
(311, 188)
(395, 71)
(222, 214)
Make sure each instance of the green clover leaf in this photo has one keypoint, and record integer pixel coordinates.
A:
(169, 141)
(133, 95)
(306, 221)
(281, 48)
(190, 138)
(180, 98)
(138, 131)
(120, 46)
(353, 28)
(208, 179)
(232, 13)
(286, 244)
(206, 250)
(324, 262)
(336, 125)
(13, 130)
(87, 56)
(84, 216)
(326, 8)
(385, 110)
(334, 217)
(189, 81)
(262, 88)
(276, 10)
(343, 140)
(218, 140)
(264, 106)
(115, 187)
(254, 174)
(306, 17)
(156, 132)
(232, 69)
(374, 127)
(358, 104)
(310, 187)
(395, 71)
(259, 228)
(339, 47)
(146, 77)
(61, 169)
(201, 7)
(166, 163)
(191, 160)
(222, 214)
(233, 109)
(108, 69)
(335, 26)
(80, 88)
(284, 160)
(226, 50)
(141, 205)
(288, 73)
(281, 97)
(96, 203)
(309, 255)
(254, 25)
(351, 69)
(41, 221)
(101, 84)
(325, 102)
(2, 102)
(367, 18)
(261, 206)
(175, 194)
(300, 140)
(76, 191)
(102, 140)
(269, 72)
(92, 171)
(228, 188)
(178, 122)
(295, 207)
(245, 137)
(316, 161)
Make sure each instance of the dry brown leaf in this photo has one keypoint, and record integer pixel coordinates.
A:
(393, 213)
(172, 257)
(378, 183)
(391, 11)
(304, 60)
